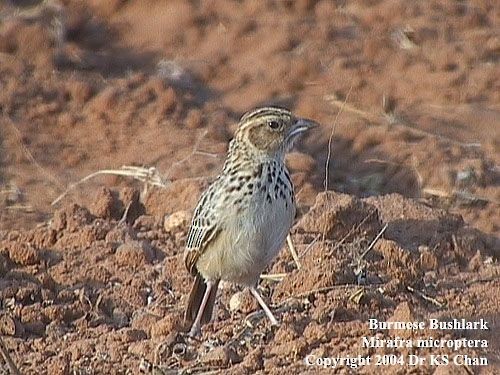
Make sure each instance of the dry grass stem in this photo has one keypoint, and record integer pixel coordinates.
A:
(425, 297)
(273, 276)
(293, 251)
(332, 99)
(352, 230)
(7, 358)
(149, 176)
(372, 244)
(334, 125)
(457, 194)
(309, 247)
(29, 155)
(20, 207)
(396, 121)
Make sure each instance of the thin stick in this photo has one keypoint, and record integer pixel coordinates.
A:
(349, 108)
(309, 247)
(485, 280)
(352, 230)
(29, 155)
(457, 194)
(193, 152)
(327, 164)
(377, 120)
(292, 251)
(273, 276)
(373, 242)
(425, 297)
(150, 176)
(125, 213)
(147, 175)
(7, 358)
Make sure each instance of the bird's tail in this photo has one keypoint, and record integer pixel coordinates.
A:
(195, 299)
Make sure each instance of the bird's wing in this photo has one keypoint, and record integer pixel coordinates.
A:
(204, 228)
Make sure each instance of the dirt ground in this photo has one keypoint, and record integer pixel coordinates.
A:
(91, 272)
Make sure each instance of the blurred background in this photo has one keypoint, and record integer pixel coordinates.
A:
(408, 93)
(116, 114)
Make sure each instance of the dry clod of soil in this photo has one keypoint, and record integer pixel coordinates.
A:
(22, 253)
(163, 327)
(134, 254)
(398, 262)
(59, 365)
(106, 205)
(402, 313)
(221, 356)
(334, 215)
(70, 218)
(132, 206)
(11, 326)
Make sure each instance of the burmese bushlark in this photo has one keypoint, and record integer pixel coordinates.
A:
(243, 218)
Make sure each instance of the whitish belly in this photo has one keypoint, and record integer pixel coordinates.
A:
(248, 243)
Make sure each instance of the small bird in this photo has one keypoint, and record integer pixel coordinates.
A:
(243, 218)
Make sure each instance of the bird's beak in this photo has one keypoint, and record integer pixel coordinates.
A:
(300, 126)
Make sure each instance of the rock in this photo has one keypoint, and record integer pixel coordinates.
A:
(176, 221)
(242, 301)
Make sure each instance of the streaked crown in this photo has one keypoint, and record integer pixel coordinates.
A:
(269, 131)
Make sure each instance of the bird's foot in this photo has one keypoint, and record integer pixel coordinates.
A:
(195, 331)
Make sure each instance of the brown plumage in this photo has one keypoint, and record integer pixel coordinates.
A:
(243, 218)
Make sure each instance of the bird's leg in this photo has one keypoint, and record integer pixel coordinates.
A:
(196, 327)
(262, 304)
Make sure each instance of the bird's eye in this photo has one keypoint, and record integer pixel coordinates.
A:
(273, 124)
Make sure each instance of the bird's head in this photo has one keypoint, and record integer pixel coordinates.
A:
(271, 131)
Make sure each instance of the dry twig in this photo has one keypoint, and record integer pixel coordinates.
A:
(352, 230)
(293, 251)
(457, 194)
(273, 276)
(425, 297)
(334, 125)
(29, 155)
(372, 244)
(147, 175)
(379, 121)
(7, 358)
